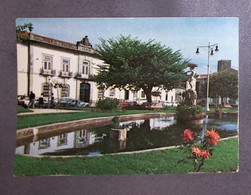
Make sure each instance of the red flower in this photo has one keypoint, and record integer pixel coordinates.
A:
(204, 154)
(212, 137)
(196, 151)
(187, 136)
(199, 152)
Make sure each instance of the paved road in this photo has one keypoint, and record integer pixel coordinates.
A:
(47, 110)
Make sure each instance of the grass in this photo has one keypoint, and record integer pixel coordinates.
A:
(224, 159)
(25, 121)
(228, 110)
(21, 109)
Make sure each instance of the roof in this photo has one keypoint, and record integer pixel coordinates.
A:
(201, 77)
(230, 70)
(50, 41)
(23, 34)
(48, 38)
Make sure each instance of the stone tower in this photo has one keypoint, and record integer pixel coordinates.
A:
(223, 65)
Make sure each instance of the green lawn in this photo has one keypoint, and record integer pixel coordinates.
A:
(233, 109)
(21, 109)
(224, 159)
(24, 121)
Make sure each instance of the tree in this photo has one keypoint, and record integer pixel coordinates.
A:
(133, 64)
(224, 84)
(21, 31)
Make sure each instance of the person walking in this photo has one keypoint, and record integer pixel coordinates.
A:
(32, 100)
(41, 102)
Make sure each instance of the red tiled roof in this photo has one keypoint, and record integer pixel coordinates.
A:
(230, 70)
(25, 34)
(53, 39)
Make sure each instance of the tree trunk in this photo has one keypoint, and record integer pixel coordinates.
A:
(216, 101)
(222, 103)
(148, 97)
(148, 91)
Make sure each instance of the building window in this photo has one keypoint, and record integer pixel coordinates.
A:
(65, 92)
(177, 98)
(143, 94)
(82, 136)
(44, 143)
(66, 65)
(85, 68)
(62, 140)
(166, 96)
(46, 90)
(112, 92)
(47, 62)
(101, 94)
(126, 94)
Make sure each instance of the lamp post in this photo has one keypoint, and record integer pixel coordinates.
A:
(29, 61)
(210, 53)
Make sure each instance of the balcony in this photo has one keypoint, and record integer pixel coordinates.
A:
(46, 72)
(65, 74)
(83, 76)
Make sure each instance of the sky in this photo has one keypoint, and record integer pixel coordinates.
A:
(179, 33)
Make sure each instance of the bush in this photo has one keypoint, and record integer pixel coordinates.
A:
(185, 112)
(136, 107)
(108, 104)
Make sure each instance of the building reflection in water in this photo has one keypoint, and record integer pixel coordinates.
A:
(161, 123)
(77, 139)
(43, 144)
(62, 140)
(84, 138)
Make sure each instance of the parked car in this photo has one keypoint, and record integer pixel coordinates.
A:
(45, 103)
(65, 101)
(72, 102)
(83, 104)
(23, 100)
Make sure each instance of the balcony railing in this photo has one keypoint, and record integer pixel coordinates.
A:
(46, 72)
(82, 76)
(65, 74)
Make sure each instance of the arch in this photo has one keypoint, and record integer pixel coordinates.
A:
(85, 89)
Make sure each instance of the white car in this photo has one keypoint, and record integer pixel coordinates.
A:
(71, 102)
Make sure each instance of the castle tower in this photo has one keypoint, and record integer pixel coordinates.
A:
(223, 65)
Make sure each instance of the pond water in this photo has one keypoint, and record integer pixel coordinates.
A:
(140, 135)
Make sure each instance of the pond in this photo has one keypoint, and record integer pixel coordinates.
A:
(140, 135)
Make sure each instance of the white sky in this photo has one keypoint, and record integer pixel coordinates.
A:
(179, 33)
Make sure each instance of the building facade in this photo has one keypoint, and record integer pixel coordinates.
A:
(54, 68)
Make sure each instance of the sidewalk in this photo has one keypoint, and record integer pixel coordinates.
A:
(48, 110)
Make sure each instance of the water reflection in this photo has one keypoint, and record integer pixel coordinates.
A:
(141, 134)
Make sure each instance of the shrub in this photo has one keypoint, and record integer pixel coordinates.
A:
(185, 112)
(136, 107)
(108, 104)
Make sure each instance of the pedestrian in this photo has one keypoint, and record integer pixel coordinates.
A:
(32, 100)
(41, 102)
(52, 101)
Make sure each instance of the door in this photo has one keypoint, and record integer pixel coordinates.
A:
(126, 94)
(85, 92)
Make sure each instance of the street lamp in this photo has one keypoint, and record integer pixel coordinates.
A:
(210, 53)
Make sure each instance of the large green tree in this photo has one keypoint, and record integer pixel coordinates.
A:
(133, 64)
(223, 84)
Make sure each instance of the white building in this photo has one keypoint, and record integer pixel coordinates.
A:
(50, 67)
